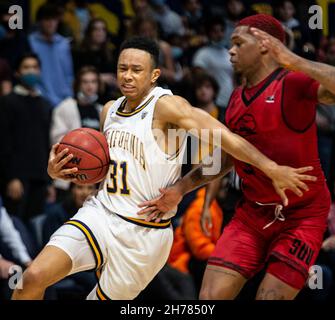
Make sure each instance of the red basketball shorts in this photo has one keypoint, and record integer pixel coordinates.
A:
(288, 247)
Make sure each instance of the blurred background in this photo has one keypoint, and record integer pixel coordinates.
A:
(60, 69)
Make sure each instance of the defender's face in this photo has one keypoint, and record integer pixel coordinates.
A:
(135, 73)
(245, 49)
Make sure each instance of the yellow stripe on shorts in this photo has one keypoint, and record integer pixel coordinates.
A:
(160, 225)
(92, 241)
(101, 295)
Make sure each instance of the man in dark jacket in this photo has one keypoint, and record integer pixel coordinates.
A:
(24, 142)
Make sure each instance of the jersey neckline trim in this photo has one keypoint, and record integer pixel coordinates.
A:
(274, 75)
(137, 110)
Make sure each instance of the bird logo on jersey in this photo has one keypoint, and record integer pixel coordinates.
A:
(270, 99)
(144, 114)
(246, 125)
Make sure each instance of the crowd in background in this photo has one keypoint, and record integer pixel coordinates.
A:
(58, 72)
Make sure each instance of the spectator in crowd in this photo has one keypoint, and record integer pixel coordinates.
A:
(169, 284)
(12, 251)
(5, 78)
(215, 59)
(235, 11)
(13, 42)
(96, 50)
(325, 119)
(55, 55)
(171, 71)
(329, 243)
(192, 246)
(142, 8)
(76, 17)
(81, 111)
(192, 16)
(206, 91)
(10, 238)
(58, 213)
(285, 12)
(194, 37)
(24, 138)
(170, 22)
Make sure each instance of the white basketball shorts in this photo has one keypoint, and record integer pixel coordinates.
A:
(126, 253)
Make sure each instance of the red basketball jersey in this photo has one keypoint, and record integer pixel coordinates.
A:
(265, 120)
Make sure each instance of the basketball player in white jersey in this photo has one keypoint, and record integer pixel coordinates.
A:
(106, 235)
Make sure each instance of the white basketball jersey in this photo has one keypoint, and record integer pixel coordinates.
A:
(138, 166)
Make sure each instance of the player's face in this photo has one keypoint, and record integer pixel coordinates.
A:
(245, 50)
(135, 73)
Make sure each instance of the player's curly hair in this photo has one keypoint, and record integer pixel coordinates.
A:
(265, 23)
(145, 44)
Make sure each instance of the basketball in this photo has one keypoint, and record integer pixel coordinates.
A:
(90, 154)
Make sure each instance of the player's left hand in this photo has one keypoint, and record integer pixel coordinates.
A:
(288, 178)
(168, 199)
(276, 48)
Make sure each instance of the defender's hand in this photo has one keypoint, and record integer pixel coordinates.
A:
(57, 162)
(287, 178)
(278, 51)
(156, 208)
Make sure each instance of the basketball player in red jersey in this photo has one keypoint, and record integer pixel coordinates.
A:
(275, 111)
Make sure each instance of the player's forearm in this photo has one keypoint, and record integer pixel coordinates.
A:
(196, 178)
(321, 72)
(244, 151)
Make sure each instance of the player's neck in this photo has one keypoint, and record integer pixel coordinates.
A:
(259, 73)
(133, 103)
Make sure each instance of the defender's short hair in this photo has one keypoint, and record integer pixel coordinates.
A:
(265, 23)
(145, 44)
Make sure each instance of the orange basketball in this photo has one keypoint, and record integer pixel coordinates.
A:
(90, 154)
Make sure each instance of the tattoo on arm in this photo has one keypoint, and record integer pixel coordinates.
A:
(324, 74)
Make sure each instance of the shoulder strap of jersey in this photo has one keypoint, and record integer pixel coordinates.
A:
(112, 110)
